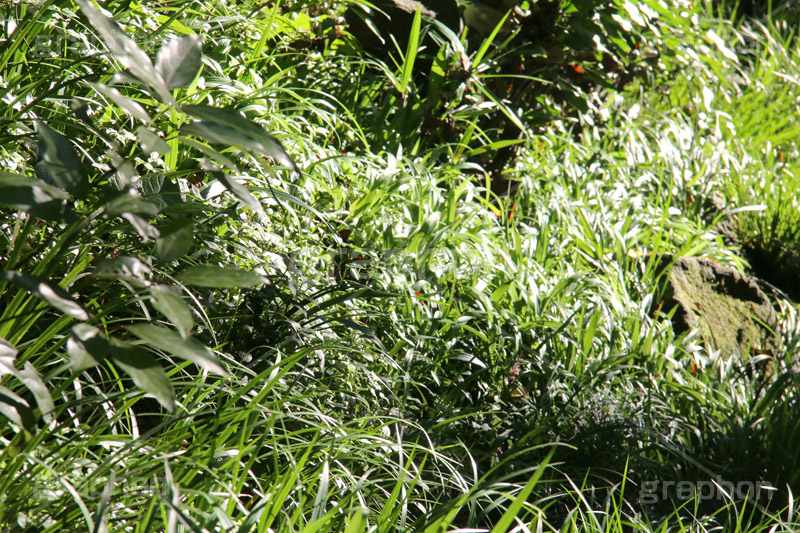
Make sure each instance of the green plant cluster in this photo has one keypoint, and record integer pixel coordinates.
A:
(255, 278)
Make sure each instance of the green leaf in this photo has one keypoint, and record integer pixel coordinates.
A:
(161, 190)
(87, 347)
(411, 51)
(219, 277)
(146, 373)
(37, 197)
(237, 189)
(179, 61)
(175, 241)
(504, 524)
(126, 203)
(16, 409)
(171, 342)
(8, 354)
(49, 292)
(168, 302)
(126, 51)
(151, 142)
(61, 161)
(124, 267)
(23, 192)
(357, 522)
(142, 227)
(31, 379)
(125, 174)
(223, 126)
(131, 107)
(489, 21)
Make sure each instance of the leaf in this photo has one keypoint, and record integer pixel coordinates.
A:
(489, 21)
(50, 293)
(142, 227)
(411, 51)
(210, 152)
(168, 302)
(87, 347)
(176, 240)
(357, 523)
(16, 409)
(161, 190)
(224, 126)
(126, 51)
(151, 142)
(127, 203)
(131, 107)
(31, 379)
(219, 277)
(61, 161)
(179, 61)
(127, 268)
(8, 354)
(125, 174)
(23, 192)
(36, 197)
(505, 522)
(237, 189)
(145, 372)
(171, 342)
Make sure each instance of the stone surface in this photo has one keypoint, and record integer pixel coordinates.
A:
(729, 310)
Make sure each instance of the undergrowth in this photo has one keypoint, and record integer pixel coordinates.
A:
(244, 292)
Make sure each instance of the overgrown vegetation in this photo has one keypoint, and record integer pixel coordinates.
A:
(258, 279)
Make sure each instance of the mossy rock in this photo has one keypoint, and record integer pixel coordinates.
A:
(729, 310)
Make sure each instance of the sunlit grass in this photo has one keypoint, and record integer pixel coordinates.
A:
(426, 356)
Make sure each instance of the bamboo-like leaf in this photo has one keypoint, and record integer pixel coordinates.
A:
(223, 126)
(49, 292)
(171, 342)
(179, 61)
(126, 203)
(127, 268)
(126, 174)
(151, 142)
(142, 227)
(61, 161)
(16, 409)
(8, 354)
(126, 51)
(131, 107)
(219, 277)
(36, 197)
(168, 301)
(87, 347)
(175, 240)
(145, 371)
(237, 189)
(31, 379)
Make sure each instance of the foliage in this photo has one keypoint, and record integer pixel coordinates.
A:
(251, 281)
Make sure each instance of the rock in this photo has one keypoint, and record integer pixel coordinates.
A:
(730, 311)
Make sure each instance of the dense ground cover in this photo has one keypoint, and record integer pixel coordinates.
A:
(243, 292)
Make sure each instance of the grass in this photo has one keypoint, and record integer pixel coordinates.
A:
(376, 341)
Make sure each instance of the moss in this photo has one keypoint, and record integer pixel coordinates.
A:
(729, 310)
